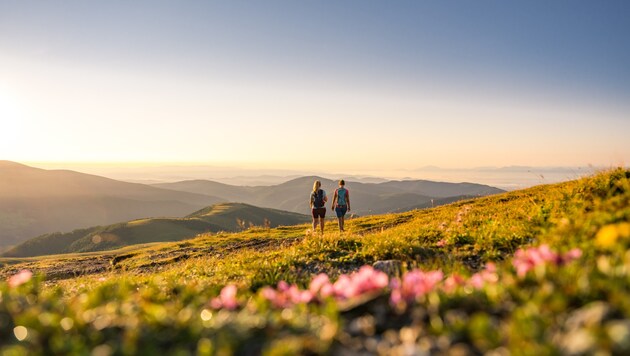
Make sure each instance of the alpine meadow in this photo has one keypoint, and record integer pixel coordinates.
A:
(343, 178)
(538, 271)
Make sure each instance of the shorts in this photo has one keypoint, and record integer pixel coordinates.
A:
(319, 213)
(341, 210)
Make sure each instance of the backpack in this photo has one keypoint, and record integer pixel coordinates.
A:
(342, 193)
(318, 199)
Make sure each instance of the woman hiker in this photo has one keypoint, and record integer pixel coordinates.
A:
(341, 203)
(318, 205)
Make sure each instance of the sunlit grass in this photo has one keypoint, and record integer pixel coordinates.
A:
(165, 288)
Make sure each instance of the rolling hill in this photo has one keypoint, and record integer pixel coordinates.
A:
(545, 270)
(219, 217)
(367, 198)
(35, 201)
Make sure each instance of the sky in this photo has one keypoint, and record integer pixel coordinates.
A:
(316, 85)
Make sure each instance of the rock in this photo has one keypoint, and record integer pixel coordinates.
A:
(578, 342)
(390, 267)
(592, 314)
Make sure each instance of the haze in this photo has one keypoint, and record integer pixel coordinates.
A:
(353, 86)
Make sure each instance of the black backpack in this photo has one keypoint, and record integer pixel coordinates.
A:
(318, 199)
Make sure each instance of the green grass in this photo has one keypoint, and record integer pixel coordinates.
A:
(151, 298)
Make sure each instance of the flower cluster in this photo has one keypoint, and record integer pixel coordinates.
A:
(226, 299)
(486, 276)
(366, 280)
(413, 284)
(286, 295)
(526, 260)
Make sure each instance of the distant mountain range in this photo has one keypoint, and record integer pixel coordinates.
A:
(219, 217)
(35, 201)
(366, 198)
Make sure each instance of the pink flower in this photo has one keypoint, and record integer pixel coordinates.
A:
(226, 299)
(452, 282)
(573, 254)
(341, 288)
(327, 290)
(297, 296)
(318, 283)
(441, 243)
(268, 293)
(487, 275)
(526, 260)
(477, 281)
(414, 284)
(20, 278)
(366, 280)
(286, 295)
(283, 286)
(395, 297)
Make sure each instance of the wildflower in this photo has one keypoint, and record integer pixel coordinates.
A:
(318, 282)
(226, 299)
(366, 280)
(321, 284)
(342, 287)
(286, 295)
(20, 278)
(414, 284)
(608, 235)
(441, 243)
(573, 254)
(297, 296)
(487, 275)
(453, 281)
(526, 260)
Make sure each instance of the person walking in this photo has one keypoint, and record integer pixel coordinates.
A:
(318, 205)
(341, 203)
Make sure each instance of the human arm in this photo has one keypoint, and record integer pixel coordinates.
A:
(332, 206)
(348, 198)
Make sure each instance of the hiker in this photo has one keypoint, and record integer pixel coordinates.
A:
(318, 205)
(341, 203)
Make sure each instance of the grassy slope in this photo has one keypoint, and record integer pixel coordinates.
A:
(185, 275)
(219, 217)
(476, 230)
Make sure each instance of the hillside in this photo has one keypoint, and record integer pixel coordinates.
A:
(557, 284)
(367, 198)
(35, 201)
(219, 217)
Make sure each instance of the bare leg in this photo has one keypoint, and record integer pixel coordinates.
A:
(321, 222)
(314, 224)
(341, 223)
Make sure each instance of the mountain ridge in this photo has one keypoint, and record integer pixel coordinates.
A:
(366, 198)
(35, 201)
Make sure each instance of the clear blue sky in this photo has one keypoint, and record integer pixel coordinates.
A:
(336, 84)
